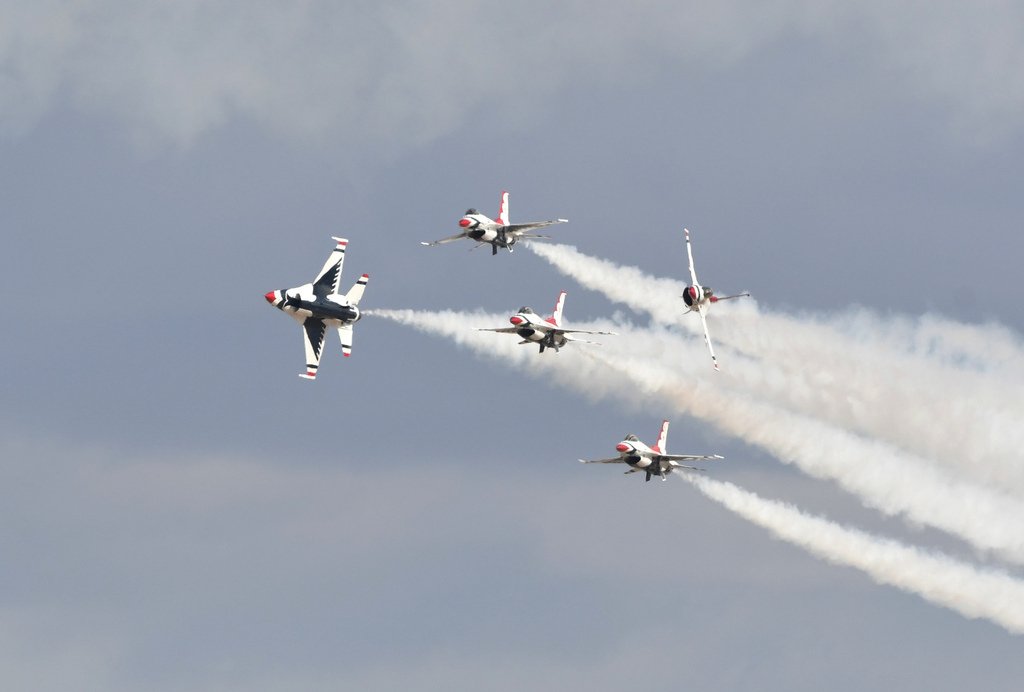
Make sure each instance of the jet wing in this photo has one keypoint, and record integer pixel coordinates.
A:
(313, 336)
(689, 254)
(738, 295)
(585, 331)
(521, 228)
(326, 282)
(457, 236)
(689, 457)
(616, 460)
(702, 311)
(499, 330)
(576, 340)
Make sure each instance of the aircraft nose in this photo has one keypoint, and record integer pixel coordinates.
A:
(622, 447)
(465, 223)
(516, 320)
(270, 297)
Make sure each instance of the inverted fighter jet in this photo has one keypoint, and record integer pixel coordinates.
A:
(700, 298)
(499, 232)
(654, 461)
(546, 331)
(318, 305)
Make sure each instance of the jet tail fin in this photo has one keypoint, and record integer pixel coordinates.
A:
(660, 447)
(503, 209)
(556, 315)
(355, 293)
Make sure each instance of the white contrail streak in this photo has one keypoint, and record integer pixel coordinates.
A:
(992, 346)
(645, 363)
(883, 476)
(928, 386)
(970, 591)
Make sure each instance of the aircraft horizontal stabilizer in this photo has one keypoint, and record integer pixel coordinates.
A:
(355, 294)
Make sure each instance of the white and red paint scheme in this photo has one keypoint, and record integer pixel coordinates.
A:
(653, 461)
(318, 305)
(699, 299)
(499, 233)
(545, 331)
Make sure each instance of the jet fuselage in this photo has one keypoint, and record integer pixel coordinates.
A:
(526, 324)
(302, 303)
(485, 230)
(636, 454)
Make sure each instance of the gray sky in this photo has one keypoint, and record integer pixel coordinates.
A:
(181, 512)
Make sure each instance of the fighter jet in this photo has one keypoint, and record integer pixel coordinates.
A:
(318, 305)
(654, 461)
(700, 298)
(499, 233)
(547, 332)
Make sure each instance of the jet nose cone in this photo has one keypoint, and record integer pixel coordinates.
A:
(465, 223)
(270, 297)
(622, 447)
(516, 320)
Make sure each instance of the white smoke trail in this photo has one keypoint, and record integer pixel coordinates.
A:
(970, 591)
(977, 348)
(644, 363)
(988, 347)
(883, 476)
(914, 384)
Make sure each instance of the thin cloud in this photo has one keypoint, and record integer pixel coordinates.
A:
(408, 74)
